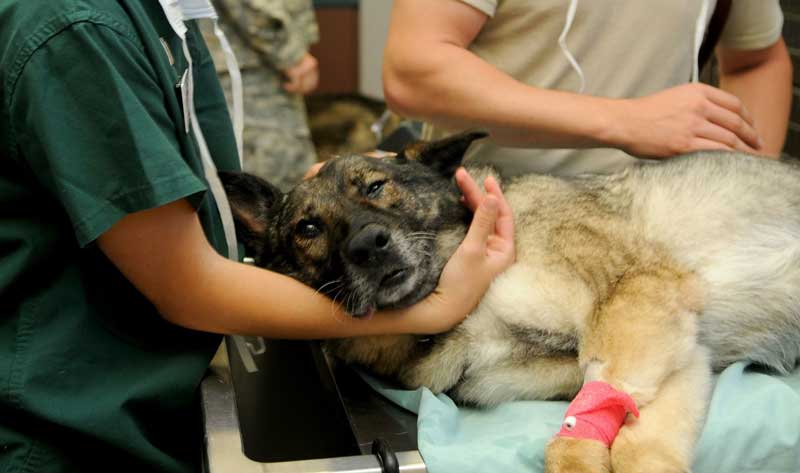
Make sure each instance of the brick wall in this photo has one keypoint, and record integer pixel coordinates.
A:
(791, 33)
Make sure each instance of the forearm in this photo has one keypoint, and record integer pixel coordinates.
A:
(430, 73)
(233, 298)
(164, 253)
(482, 96)
(766, 90)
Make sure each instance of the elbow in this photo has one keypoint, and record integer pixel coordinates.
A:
(191, 302)
(179, 314)
(192, 317)
(408, 86)
(774, 58)
(398, 92)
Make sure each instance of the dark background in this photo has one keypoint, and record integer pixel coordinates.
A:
(791, 33)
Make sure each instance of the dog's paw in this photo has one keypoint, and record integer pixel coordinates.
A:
(631, 453)
(571, 455)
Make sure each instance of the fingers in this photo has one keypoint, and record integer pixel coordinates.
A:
(729, 112)
(740, 131)
(313, 170)
(311, 81)
(303, 77)
(301, 84)
(293, 82)
(504, 227)
(473, 196)
(483, 224)
(730, 102)
(702, 143)
(724, 137)
(376, 153)
(469, 188)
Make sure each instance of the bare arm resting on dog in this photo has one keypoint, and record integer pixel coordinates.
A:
(165, 254)
(427, 49)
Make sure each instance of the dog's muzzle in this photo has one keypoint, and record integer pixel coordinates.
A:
(370, 246)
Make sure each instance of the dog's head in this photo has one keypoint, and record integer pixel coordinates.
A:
(371, 233)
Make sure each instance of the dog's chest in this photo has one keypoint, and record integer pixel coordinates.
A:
(529, 294)
(527, 313)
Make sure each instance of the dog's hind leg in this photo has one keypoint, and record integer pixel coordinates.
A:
(636, 341)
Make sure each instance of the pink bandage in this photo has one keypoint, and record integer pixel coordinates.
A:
(597, 413)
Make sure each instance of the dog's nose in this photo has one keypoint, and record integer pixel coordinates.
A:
(368, 245)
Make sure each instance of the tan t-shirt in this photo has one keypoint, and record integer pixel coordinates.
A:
(626, 48)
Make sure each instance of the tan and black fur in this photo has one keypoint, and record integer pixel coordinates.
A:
(647, 279)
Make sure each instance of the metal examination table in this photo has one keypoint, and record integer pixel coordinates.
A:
(282, 407)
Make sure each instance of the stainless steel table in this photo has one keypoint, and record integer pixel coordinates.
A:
(291, 410)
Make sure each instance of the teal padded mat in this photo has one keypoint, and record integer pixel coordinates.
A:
(753, 425)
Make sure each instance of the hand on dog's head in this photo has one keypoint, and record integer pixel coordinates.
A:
(373, 225)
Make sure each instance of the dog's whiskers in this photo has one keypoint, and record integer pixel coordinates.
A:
(422, 252)
(333, 304)
(350, 300)
(429, 234)
(335, 281)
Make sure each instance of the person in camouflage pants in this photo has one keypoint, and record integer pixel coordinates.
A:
(271, 39)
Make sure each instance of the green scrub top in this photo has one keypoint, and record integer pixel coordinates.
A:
(91, 377)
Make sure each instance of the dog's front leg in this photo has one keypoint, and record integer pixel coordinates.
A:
(642, 338)
(663, 438)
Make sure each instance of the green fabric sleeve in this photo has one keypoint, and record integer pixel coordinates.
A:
(91, 124)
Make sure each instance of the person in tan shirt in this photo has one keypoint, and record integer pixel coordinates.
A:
(566, 87)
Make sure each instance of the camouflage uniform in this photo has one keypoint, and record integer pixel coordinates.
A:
(269, 36)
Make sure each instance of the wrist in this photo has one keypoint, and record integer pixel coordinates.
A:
(611, 123)
(429, 316)
(417, 319)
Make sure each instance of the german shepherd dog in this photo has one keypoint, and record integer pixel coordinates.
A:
(648, 280)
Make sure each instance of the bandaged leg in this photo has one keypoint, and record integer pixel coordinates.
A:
(597, 413)
(645, 332)
(663, 438)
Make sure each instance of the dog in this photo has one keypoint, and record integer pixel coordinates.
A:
(648, 280)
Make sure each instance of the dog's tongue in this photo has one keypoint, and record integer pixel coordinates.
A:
(367, 314)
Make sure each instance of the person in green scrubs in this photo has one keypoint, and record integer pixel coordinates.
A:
(114, 281)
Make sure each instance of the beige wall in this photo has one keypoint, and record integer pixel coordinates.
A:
(373, 24)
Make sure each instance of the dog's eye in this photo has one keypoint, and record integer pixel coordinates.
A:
(374, 189)
(307, 229)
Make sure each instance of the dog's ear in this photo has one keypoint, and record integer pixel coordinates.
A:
(251, 199)
(443, 155)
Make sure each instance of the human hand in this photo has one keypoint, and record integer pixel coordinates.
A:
(487, 250)
(686, 118)
(314, 169)
(490, 238)
(303, 77)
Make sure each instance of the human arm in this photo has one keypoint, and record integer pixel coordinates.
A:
(430, 74)
(762, 79)
(102, 144)
(281, 33)
(165, 254)
(284, 41)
